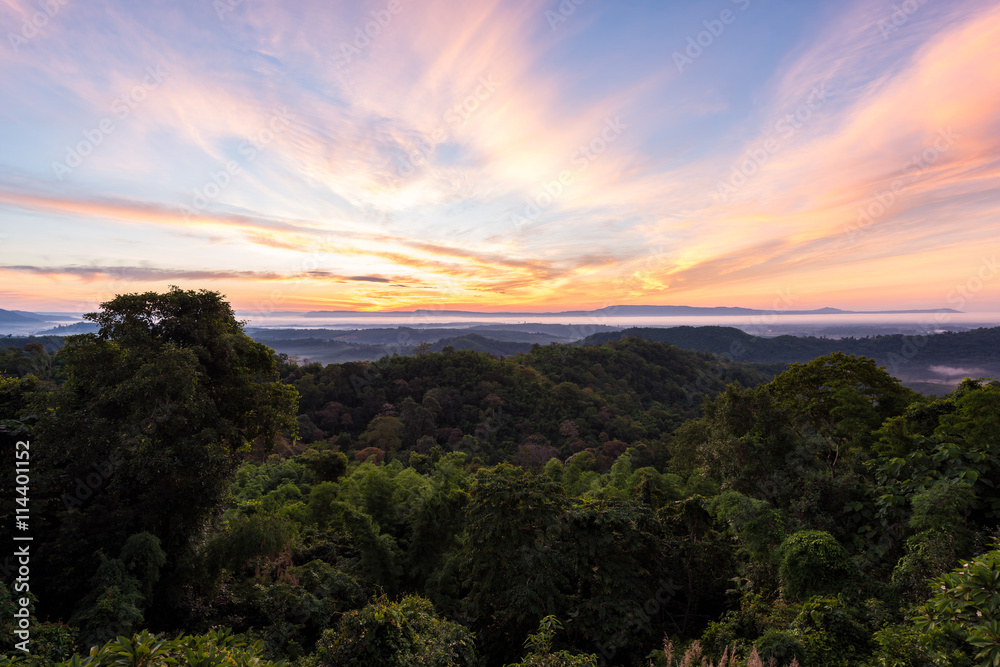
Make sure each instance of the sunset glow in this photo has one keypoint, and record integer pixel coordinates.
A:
(502, 154)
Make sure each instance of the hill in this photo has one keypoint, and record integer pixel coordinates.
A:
(480, 343)
(627, 391)
(341, 345)
(940, 359)
(18, 317)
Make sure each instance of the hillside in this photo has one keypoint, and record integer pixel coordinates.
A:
(19, 317)
(933, 361)
(629, 391)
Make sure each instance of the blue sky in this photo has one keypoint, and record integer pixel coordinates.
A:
(500, 154)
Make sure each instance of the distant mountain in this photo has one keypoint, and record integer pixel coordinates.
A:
(51, 317)
(19, 317)
(620, 311)
(22, 322)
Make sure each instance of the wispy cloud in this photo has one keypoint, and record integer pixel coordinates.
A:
(154, 274)
(397, 170)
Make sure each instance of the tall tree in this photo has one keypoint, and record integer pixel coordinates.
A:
(511, 559)
(842, 398)
(156, 412)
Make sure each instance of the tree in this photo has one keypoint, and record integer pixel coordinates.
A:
(967, 601)
(122, 586)
(614, 555)
(510, 558)
(404, 633)
(744, 440)
(813, 563)
(217, 647)
(976, 419)
(540, 652)
(841, 397)
(164, 401)
(385, 433)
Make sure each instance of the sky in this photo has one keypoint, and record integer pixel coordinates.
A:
(498, 154)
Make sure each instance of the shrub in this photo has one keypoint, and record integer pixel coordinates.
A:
(812, 563)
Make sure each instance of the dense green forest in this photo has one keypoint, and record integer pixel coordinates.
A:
(198, 499)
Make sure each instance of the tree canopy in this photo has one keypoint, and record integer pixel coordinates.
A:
(156, 412)
(197, 499)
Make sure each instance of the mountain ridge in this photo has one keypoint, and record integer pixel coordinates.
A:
(631, 310)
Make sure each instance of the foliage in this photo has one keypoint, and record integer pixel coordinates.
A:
(404, 633)
(35, 356)
(745, 440)
(564, 397)
(842, 398)
(540, 653)
(510, 560)
(905, 645)
(217, 648)
(812, 563)
(967, 600)
(161, 404)
(46, 641)
(894, 350)
(439, 508)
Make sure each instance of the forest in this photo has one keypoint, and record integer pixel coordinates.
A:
(198, 499)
